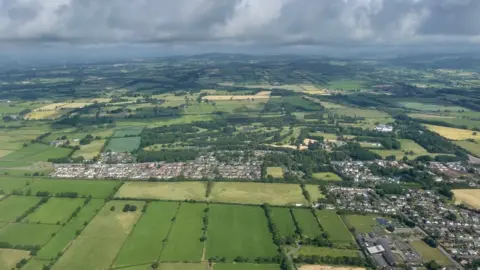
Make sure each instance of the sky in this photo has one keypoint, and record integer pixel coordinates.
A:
(256, 26)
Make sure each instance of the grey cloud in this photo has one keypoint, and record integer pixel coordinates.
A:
(266, 22)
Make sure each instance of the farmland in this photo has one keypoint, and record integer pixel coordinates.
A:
(307, 222)
(428, 253)
(55, 211)
(10, 257)
(362, 224)
(282, 218)
(37, 152)
(126, 144)
(166, 191)
(14, 206)
(454, 133)
(334, 226)
(97, 189)
(27, 234)
(468, 196)
(233, 224)
(276, 172)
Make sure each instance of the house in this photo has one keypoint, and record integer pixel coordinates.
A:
(384, 128)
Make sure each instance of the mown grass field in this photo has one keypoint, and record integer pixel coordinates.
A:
(245, 266)
(325, 251)
(314, 192)
(307, 222)
(90, 150)
(14, 206)
(232, 233)
(428, 253)
(326, 176)
(276, 172)
(127, 144)
(145, 242)
(333, 224)
(163, 190)
(95, 188)
(56, 210)
(184, 239)
(257, 193)
(283, 220)
(10, 257)
(9, 184)
(454, 133)
(102, 239)
(468, 196)
(65, 236)
(27, 234)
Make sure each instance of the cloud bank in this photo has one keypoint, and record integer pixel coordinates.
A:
(265, 22)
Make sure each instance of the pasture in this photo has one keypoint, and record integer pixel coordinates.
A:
(43, 115)
(428, 253)
(432, 107)
(326, 176)
(314, 192)
(97, 246)
(257, 193)
(27, 234)
(333, 224)
(472, 147)
(145, 242)
(65, 236)
(163, 190)
(328, 267)
(95, 188)
(14, 206)
(126, 144)
(409, 148)
(454, 133)
(307, 222)
(34, 264)
(9, 184)
(89, 151)
(232, 233)
(37, 152)
(56, 210)
(362, 223)
(470, 197)
(10, 257)
(184, 239)
(276, 172)
(282, 218)
(127, 131)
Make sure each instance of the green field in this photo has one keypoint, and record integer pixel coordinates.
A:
(145, 242)
(245, 266)
(64, 237)
(163, 190)
(35, 265)
(346, 84)
(283, 220)
(276, 172)
(362, 223)
(91, 150)
(14, 206)
(409, 148)
(232, 232)
(127, 131)
(102, 239)
(27, 234)
(325, 251)
(184, 239)
(95, 188)
(183, 266)
(307, 222)
(315, 192)
(257, 193)
(420, 106)
(127, 144)
(38, 152)
(56, 210)
(9, 184)
(428, 253)
(472, 147)
(326, 176)
(333, 224)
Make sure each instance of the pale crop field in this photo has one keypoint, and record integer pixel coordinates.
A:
(453, 133)
(326, 267)
(243, 97)
(10, 257)
(163, 190)
(468, 196)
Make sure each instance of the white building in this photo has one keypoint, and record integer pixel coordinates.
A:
(384, 128)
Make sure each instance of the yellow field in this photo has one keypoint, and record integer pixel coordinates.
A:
(4, 153)
(75, 105)
(90, 150)
(453, 133)
(100, 100)
(163, 190)
(40, 115)
(51, 107)
(326, 267)
(260, 95)
(276, 172)
(468, 196)
(10, 257)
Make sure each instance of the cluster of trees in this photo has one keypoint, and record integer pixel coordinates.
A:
(129, 208)
(203, 238)
(21, 247)
(88, 139)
